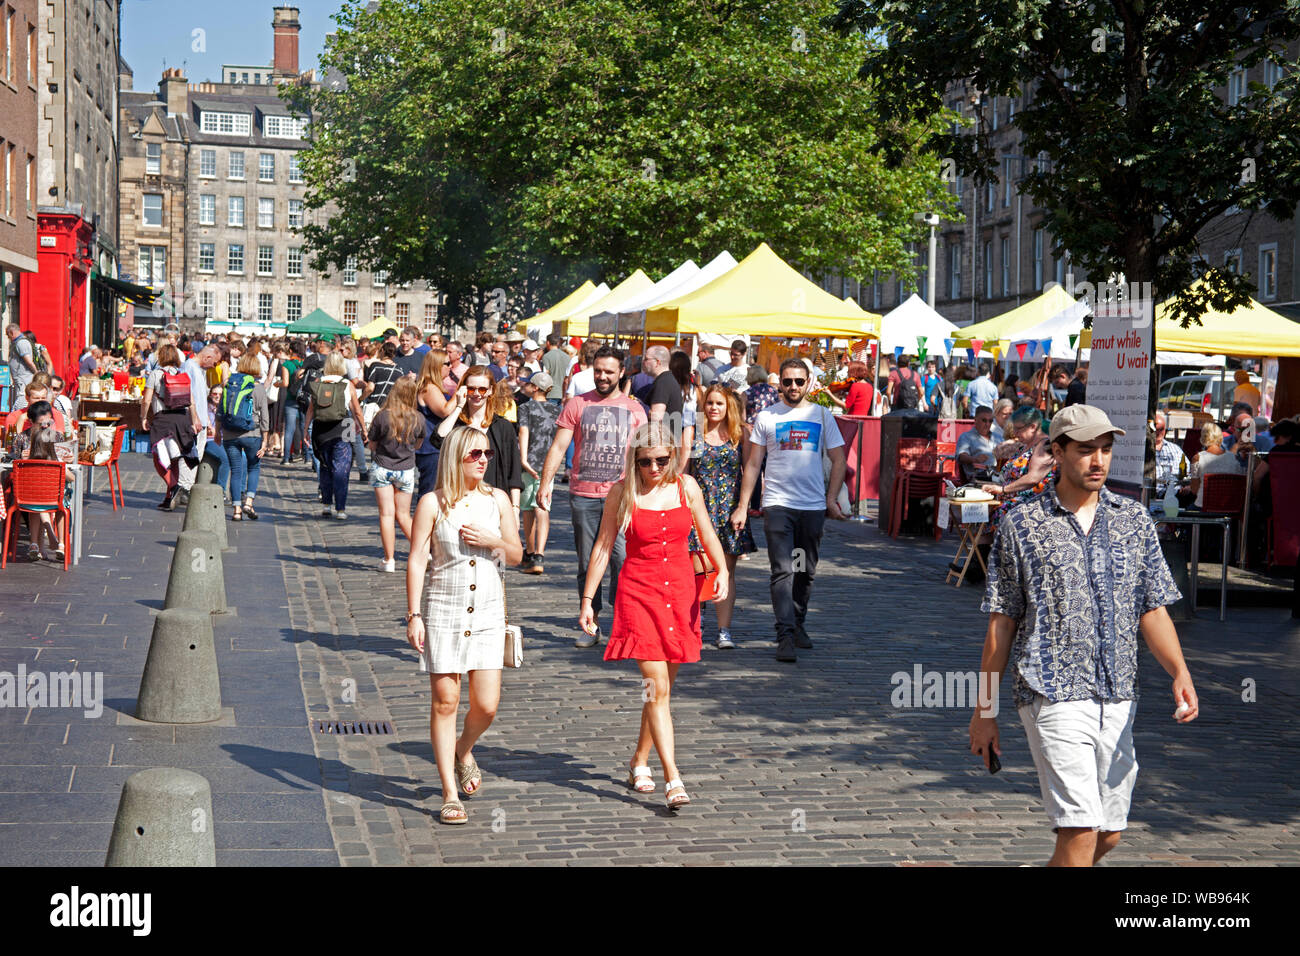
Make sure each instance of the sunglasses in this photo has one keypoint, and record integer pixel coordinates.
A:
(794, 381)
(662, 461)
(477, 389)
(484, 453)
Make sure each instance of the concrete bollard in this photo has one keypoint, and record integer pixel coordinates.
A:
(207, 512)
(164, 818)
(207, 473)
(197, 580)
(179, 684)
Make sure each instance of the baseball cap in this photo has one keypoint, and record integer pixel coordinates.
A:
(542, 380)
(530, 346)
(1082, 423)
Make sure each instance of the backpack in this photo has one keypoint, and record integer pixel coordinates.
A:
(331, 400)
(236, 410)
(909, 394)
(175, 390)
(307, 377)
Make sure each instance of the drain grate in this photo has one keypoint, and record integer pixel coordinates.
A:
(354, 727)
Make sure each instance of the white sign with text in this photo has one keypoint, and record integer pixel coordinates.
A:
(1119, 380)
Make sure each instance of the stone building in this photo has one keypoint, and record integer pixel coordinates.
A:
(19, 69)
(231, 188)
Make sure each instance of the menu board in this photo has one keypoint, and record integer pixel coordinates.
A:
(1119, 379)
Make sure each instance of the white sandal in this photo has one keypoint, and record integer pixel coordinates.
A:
(681, 799)
(636, 775)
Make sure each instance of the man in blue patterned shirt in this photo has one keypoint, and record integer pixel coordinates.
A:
(1075, 574)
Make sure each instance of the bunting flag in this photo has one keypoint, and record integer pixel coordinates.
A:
(979, 345)
(1073, 339)
(898, 352)
(997, 352)
(948, 345)
(920, 356)
(1020, 347)
(1047, 348)
(970, 354)
(920, 344)
(1033, 348)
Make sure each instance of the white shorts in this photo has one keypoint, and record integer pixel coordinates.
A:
(1083, 750)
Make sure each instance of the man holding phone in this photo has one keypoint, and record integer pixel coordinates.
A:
(1075, 575)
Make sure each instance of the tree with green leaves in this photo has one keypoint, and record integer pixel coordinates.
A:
(1124, 99)
(526, 145)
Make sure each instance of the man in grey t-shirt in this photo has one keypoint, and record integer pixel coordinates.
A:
(22, 364)
(555, 363)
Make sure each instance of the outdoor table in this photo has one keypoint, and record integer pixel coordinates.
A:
(78, 504)
(128, 412)
(1195, 520)
(968, 549)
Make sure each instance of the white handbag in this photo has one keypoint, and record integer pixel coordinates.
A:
(513, 655)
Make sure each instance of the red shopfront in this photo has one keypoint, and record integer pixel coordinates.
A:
(54, 300)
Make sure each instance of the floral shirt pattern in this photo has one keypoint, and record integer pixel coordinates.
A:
(1077, 597)
(1014, 469)
(718, 470)
(757, 398)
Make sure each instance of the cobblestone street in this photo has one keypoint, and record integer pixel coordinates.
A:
(804, 763)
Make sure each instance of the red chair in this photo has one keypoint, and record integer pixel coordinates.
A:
(114, 493)
(1284, 524)
(912, 486)
(946, 453)
(1223, 494)
(38, 487)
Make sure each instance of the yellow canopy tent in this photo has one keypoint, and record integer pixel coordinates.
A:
(1253, 331)
(374, 329)
(762, 295)
(564, 306)
(1001, 329)
(576, 322)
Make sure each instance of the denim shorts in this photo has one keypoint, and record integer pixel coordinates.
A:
(400, 480)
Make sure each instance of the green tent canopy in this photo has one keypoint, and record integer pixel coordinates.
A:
(318, 322)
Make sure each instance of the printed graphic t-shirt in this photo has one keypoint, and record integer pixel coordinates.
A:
(600, 433)
(793, 440)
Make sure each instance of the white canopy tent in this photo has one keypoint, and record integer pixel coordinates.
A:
(1057, 331)
(604, 323)
(631, 315)
(538, 331)
(911, 320)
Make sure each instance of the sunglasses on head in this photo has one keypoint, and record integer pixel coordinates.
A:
(662, 461)
(484, 453)
(794, 381)
(476, 389)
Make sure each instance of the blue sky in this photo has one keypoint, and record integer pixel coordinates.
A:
(158, 33)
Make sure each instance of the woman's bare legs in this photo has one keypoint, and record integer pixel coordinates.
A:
(484, 698)
(387, 534)
(442, 729)
(656, 722)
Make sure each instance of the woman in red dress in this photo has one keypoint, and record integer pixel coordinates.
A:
(657, 612)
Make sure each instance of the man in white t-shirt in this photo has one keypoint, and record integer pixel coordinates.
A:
(791, 435)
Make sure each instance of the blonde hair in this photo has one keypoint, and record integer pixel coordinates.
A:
(249, 365)
(335, 364)
(489, 410)
(432, 370)
(451, 473)
(649, 435)
(404, 420)
(1211, 434)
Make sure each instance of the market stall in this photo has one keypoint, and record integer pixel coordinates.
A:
(576, 322)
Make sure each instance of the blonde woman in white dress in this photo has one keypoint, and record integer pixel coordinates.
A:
(470, 530)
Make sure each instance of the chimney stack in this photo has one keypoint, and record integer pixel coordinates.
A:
(174, 91)
(285, 26)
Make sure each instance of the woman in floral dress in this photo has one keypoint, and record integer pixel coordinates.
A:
(1028, 472)
(716, 463)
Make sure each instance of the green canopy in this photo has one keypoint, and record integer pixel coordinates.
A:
(318, 322)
